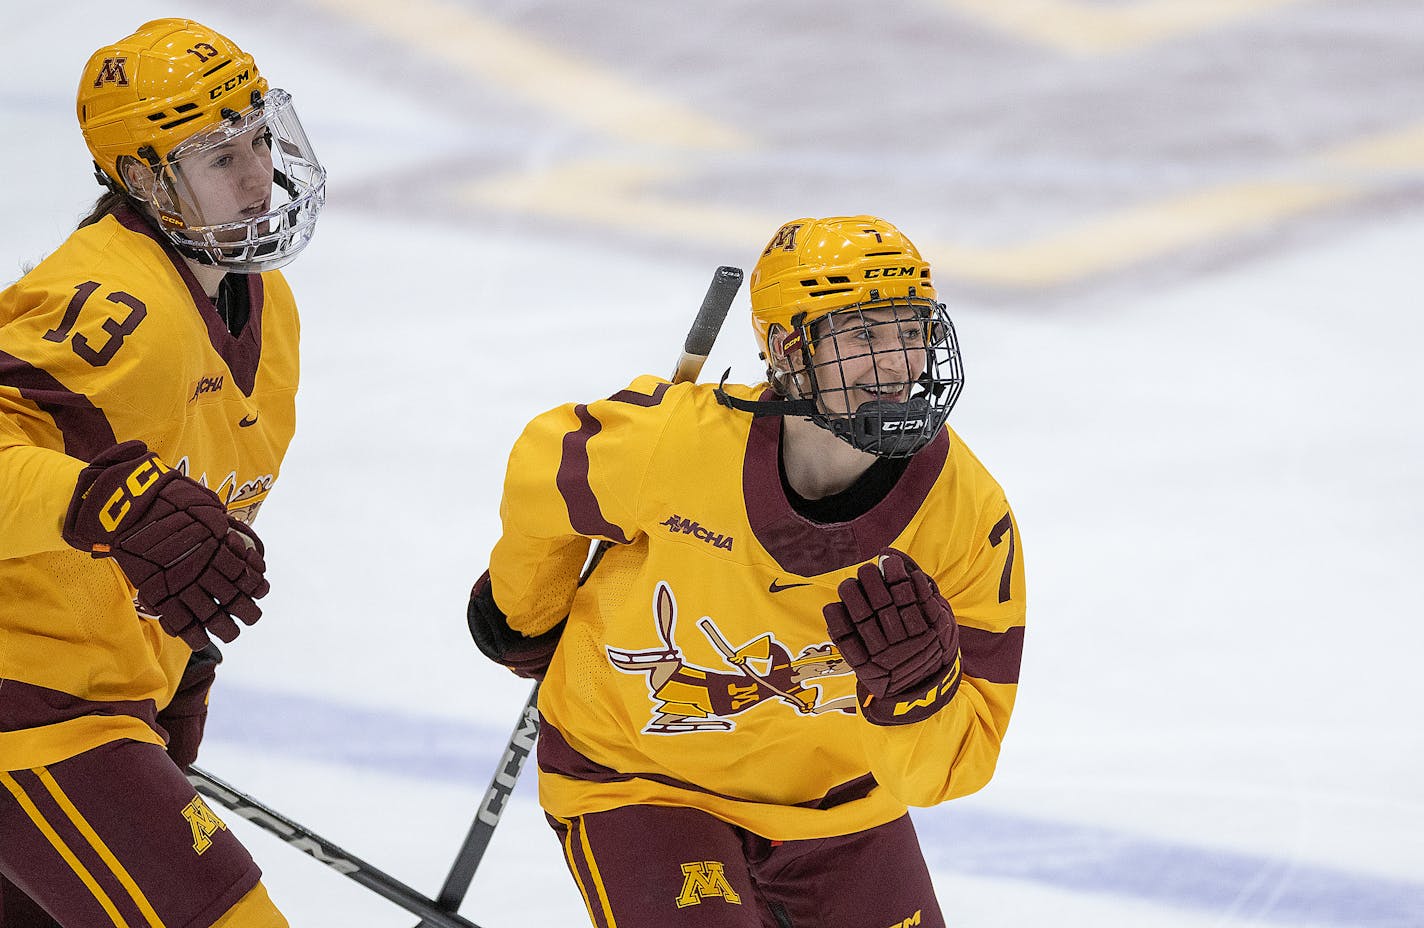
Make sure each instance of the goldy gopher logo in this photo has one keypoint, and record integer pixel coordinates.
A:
(689, 698)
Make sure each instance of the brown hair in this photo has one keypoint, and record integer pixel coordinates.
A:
(107, 204)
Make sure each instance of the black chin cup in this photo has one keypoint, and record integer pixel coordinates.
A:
(881, 427)
(887, 429)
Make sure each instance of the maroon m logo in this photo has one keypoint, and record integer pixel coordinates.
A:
(785, 238)
(112, 72)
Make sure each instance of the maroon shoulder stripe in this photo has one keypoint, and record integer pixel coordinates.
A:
(634, 398)
(572, 480)
(84, 427)
(992, 656)
(585, 515)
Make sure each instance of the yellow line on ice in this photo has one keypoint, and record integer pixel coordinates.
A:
(546, 77)
(1136, 233)
(1396, 151)
(614, 193)
(619, 194)
(1085, 29)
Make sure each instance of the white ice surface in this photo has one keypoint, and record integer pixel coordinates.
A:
(1218, 484)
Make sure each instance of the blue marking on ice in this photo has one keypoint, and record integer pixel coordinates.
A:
(1248, 888)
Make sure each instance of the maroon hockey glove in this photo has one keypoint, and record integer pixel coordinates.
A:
(193, 565)
(527, 657)
(899, 636)
(187, 712)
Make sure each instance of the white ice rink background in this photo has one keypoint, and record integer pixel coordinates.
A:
(1181, 242)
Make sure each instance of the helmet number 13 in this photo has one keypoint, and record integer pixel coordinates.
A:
(203, 51)
(116, 329)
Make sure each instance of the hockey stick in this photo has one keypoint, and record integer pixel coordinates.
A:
(730, 656)
(516, 753)
(303, 839)
(708, 322)
(726, 281)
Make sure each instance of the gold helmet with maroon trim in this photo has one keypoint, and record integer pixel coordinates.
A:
(151, 90)
(174, 92)
(847, 319)
(812, 267)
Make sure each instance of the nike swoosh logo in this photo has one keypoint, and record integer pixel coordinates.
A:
(778, 587)
(245, 422)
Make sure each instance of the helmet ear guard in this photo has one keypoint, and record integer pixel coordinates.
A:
(781, 356)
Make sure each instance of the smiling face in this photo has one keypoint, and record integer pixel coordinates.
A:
(860, 356)
(881, 376)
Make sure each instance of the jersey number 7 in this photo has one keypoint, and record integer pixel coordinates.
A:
(1004, 526)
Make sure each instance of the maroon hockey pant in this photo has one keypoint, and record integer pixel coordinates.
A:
(667, 867)
(114, 836)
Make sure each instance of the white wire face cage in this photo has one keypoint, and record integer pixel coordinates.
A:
(882, 375)
(208, 220)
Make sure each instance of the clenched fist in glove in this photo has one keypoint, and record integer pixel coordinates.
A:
(527, 657)
(899, 636)
(193, 565)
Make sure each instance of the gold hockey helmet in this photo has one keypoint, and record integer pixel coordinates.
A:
(146, 93)
(857, 284)
(177, 107)
(812, 267)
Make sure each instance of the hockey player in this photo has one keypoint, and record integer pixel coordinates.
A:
(696, 772)
(148, 370)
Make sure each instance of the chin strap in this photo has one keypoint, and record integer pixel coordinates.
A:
(286, 183)
(758, 408)
(889, 430)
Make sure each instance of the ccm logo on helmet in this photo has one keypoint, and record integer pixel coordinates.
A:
(883, 272)
(231, 84)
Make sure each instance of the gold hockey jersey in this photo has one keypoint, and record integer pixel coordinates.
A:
(109, 339)
(695, 669)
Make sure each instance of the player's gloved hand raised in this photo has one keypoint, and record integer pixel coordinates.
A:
(899, 636)
(193, 565)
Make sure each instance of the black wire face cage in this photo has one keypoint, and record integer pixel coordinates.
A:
(883, 375)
